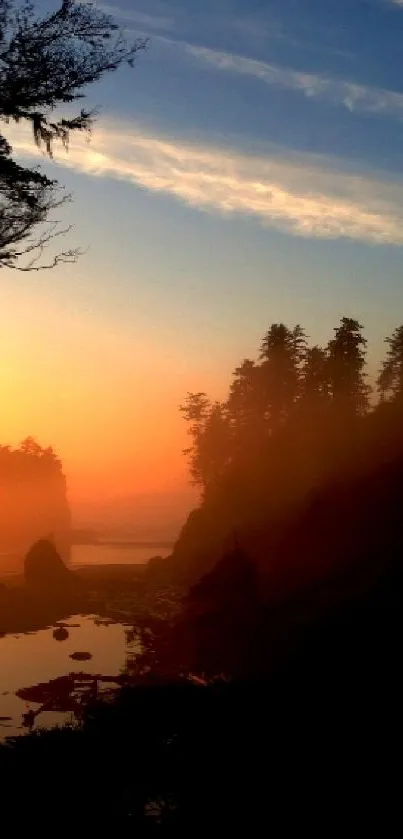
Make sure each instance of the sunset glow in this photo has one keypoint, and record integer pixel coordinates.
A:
(199, 227)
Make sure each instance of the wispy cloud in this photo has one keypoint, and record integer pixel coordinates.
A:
(299, 194)
(338, 92)
(354, 97)
(138, 18)
(259, 29)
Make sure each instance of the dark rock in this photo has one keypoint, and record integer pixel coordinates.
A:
(44, 569)
(60, 634)
(81, 656)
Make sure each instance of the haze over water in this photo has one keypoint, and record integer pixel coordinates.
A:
(107, 555)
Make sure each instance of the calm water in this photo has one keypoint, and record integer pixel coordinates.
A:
(106, 555)
(27, 660)
(93, 555)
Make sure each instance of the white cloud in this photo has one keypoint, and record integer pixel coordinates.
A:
(354, 97)
(300, 194)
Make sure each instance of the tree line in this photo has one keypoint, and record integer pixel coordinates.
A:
(33, 498)
(292, 405)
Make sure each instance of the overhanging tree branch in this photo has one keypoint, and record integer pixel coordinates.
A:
(46, 63)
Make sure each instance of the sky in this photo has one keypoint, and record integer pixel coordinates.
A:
(248, 170)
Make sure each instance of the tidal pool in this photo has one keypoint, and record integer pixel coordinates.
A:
(37, 658)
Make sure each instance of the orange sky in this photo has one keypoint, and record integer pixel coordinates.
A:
(107, 400)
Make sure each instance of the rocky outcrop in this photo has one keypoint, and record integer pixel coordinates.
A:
(60, 634)
(45, 571)
(34, 500)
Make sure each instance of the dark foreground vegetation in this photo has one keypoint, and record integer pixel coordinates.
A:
(308, 749)
(268, 690)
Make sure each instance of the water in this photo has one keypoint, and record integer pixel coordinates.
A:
(111, 554)
(33, 658)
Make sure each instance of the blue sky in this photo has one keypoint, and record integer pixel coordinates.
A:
(312, 89)
(180, 86)
(248, 170)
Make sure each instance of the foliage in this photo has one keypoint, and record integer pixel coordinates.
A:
(299, 750)
(346, 354)
(281, 355)
(295, 420)
(209, 432)
(390, 380)
(270, 398)
(33, 497)
(46, 63)
(315, 384)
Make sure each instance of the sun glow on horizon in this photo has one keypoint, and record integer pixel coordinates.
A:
(109, 410)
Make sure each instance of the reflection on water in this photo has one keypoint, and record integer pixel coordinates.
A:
(38, 657)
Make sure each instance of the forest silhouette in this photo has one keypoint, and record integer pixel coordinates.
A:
(276, 677)
(296, 421)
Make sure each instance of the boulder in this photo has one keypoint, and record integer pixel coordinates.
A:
(45, 570)
(81, 656)
(60, 634)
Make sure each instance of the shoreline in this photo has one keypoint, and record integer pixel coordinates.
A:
(22, 610)
(123, 543)
(102, 570)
